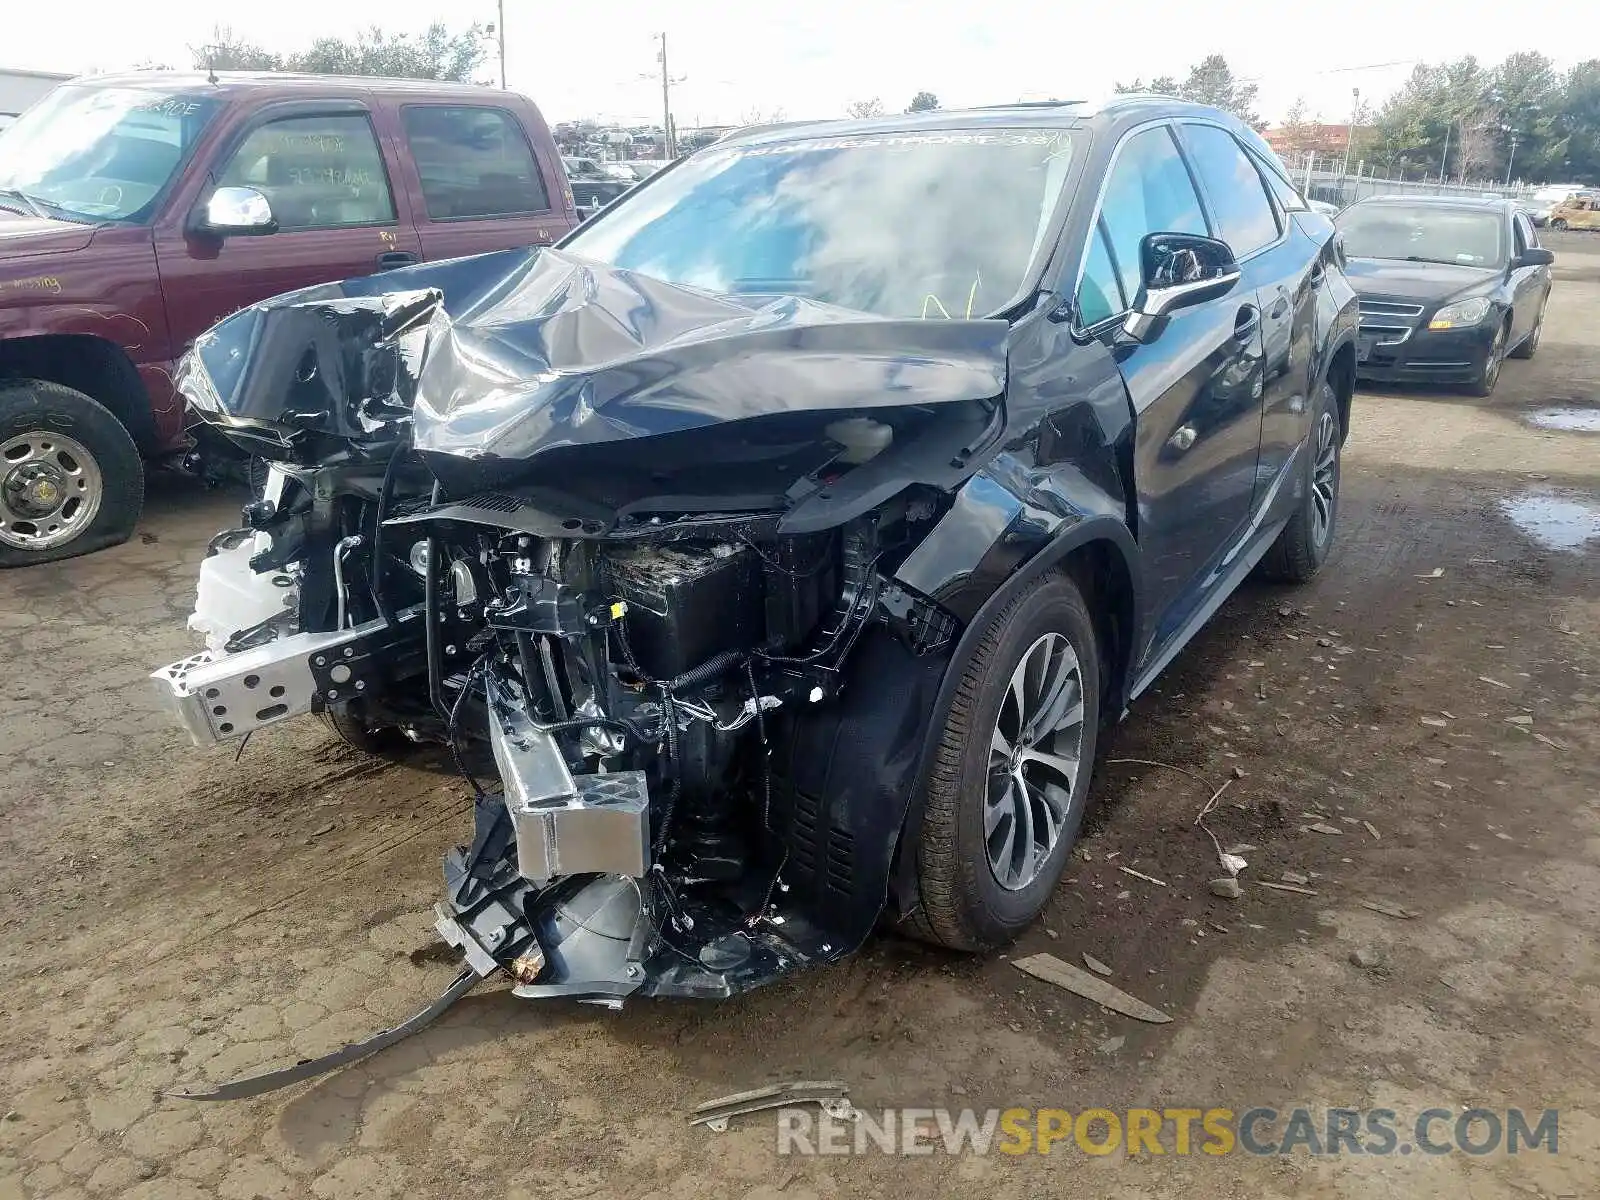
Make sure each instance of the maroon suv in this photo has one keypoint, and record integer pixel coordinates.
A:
(138, 210)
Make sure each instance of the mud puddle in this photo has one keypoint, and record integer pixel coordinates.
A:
(1566, 419)
(1558, 521)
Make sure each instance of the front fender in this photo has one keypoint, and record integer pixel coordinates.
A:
(1100, 528)
(1004, 518)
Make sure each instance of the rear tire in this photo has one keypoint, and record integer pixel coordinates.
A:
(1010, 776)
(1303, 546)
(1559, 223)
(71, 480)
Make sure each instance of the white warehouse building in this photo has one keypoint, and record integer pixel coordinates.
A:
(20, 89)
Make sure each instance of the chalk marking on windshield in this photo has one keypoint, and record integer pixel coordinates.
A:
(936, 300)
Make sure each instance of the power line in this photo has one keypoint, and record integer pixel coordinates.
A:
(1402, 62)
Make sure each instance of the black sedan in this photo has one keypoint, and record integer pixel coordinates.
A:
(1449, 288)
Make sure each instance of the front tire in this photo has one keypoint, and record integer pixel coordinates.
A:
(1303, 546)
(1010, 775)
(1483, 385)
(1530, 344)
(380, 741)
(71, 480)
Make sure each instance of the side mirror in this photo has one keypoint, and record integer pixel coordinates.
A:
(238, 212)
(1178, 271)
(1535, 256)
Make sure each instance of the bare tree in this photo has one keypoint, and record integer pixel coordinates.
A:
(1476, 139)
(865, 108)
(225, 51)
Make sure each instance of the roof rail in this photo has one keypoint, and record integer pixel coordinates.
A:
(1031, 104)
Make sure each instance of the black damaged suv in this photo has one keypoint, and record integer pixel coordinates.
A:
(790, 531)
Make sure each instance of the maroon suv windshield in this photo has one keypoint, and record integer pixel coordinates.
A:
(101, 153)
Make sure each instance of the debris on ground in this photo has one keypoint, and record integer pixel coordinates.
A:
(1285, 887)
(1227, 887)
(1050, 969)
(1324, 827)
(1112, 1044)
(1295, 877)
(1519, 719)
(1095, 965)
(1143, 876)
(1367, 958)
(831, 1095)
(1372, 829)
(1493, 682)
(1388, 910)
(1435, 722)
(1436, 573)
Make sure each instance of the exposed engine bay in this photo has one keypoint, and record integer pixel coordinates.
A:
(638, 697)
(666, 648)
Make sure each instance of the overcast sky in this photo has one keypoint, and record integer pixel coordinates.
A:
(810, 59)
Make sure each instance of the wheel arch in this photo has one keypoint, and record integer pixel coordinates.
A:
(1103, 559)
(1341, 374)
(98, 368)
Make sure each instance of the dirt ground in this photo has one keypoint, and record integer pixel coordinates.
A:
(170, 916)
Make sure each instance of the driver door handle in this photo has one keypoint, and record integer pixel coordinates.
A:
(1246, 323)
(391, 259)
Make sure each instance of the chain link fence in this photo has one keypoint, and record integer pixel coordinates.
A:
(1326, 178)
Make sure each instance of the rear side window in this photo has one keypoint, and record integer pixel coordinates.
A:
(1273, 170)
(1288, 196)
(1233, 184)
(316, 172)
(474, 162)
(1149, 192)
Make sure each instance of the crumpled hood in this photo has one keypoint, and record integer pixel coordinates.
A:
(529, 350)
(27, 237)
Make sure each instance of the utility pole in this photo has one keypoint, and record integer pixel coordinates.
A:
(1445, 157)
(1350, 135)
(500, 32)
(1512, 157)
(669, 140)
